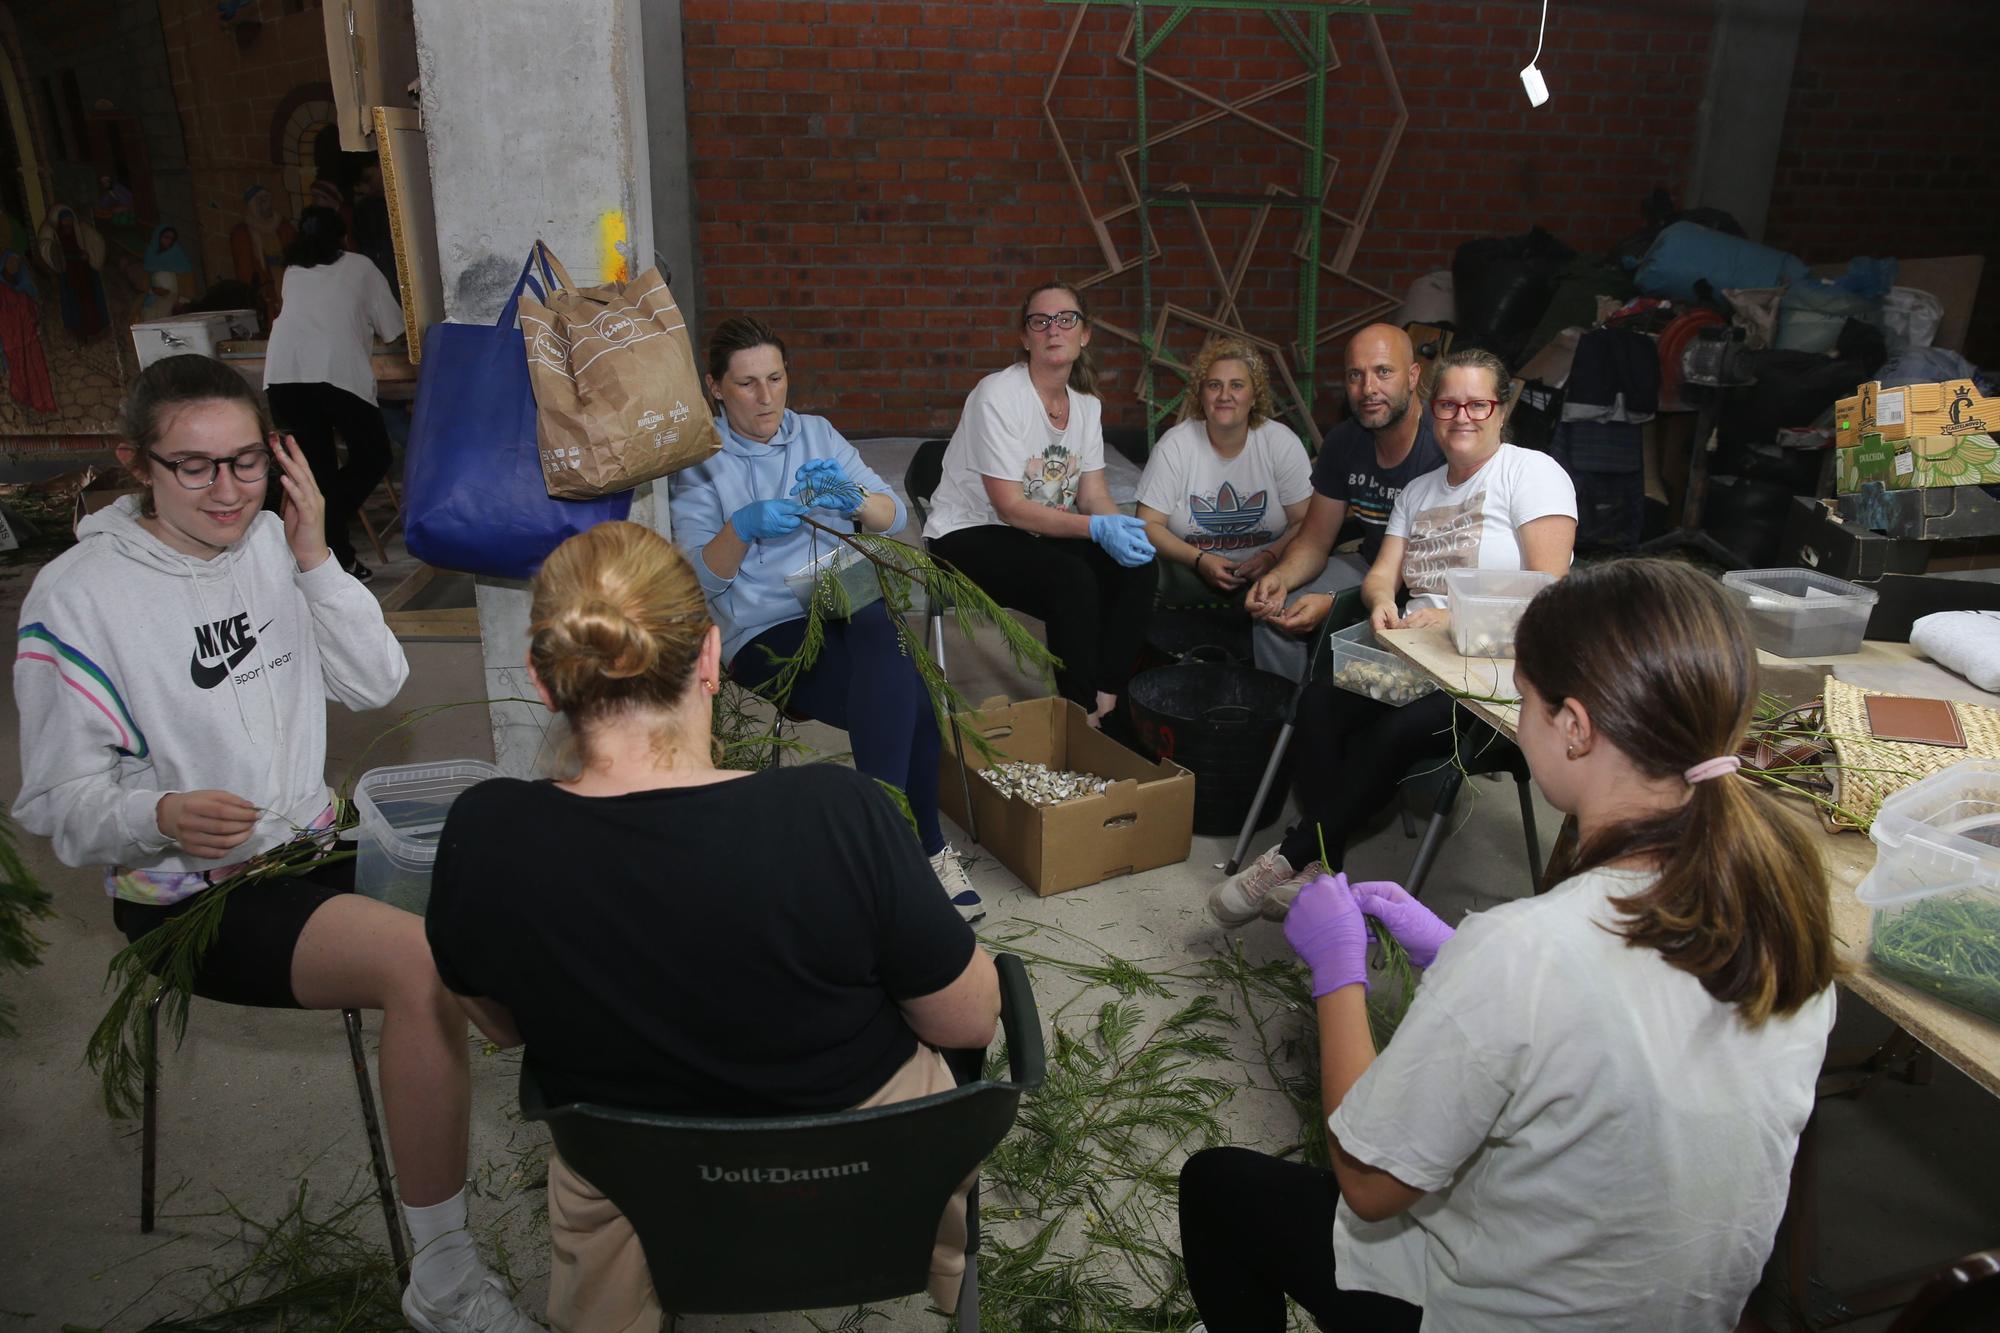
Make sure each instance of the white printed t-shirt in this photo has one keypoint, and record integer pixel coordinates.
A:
(1604, 1145)
(1475, 524)
(1004, 432)
(1233, 507)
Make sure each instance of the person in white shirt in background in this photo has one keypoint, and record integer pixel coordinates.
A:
(1586, 1120)
(1225, 491)
(1491, 506)
(1023, 510)
(318, 373)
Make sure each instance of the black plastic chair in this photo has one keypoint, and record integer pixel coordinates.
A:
(759, 1216)
(149, 1139)
(920, 482)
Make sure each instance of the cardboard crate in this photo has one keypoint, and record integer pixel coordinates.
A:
(1913, 411)
(1847, 422)
(1144, 819)
(1918, 463)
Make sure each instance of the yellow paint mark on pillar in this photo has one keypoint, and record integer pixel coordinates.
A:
(613, 261)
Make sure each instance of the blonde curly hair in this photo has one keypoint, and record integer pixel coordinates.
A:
(1262, 406)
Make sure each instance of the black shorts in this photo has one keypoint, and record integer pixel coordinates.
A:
(250, 961)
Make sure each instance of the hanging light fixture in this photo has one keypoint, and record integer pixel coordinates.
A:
(1531, 78)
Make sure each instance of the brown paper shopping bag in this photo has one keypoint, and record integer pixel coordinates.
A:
(617, 398)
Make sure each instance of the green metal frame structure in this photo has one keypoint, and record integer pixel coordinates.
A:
(1304, 28)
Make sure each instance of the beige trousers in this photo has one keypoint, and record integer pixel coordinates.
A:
(598, 1280)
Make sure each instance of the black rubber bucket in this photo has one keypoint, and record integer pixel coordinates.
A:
(1218, 721)
(1179, 635)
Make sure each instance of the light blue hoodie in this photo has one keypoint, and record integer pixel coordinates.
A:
(704, 496)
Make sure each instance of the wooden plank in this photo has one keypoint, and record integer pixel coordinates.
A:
(457, 624)
(406, 183)
(405, 592)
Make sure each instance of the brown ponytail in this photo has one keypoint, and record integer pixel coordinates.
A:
(1664, 663)
(616, 624)
(1083, 370)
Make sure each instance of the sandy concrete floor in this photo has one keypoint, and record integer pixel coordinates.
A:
(257, 1103)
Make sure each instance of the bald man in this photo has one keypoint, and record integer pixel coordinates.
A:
(1385, 443)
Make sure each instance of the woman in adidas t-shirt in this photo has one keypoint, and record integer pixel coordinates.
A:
(1491, 506)
(1227, 489)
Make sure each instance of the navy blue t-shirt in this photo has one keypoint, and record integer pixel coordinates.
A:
(1346, 470)
(730, 949)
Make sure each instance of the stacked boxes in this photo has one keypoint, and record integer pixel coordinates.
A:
(1917, 435)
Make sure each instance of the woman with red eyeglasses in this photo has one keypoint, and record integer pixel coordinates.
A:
(1492, 505)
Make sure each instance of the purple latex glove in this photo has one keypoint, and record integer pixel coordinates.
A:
(1415, 926)
(1326, 931)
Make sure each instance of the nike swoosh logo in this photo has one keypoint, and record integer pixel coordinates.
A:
(206, 677)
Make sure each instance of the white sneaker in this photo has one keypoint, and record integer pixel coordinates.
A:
(480, 1305)
(951, 875)
(1278, 902)
(1240, 898)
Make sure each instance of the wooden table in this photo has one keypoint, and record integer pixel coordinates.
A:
(1969, 1043)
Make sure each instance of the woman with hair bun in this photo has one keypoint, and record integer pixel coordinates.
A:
(1587, 1119)
(740, 515)
(319, 373)
(649, 953)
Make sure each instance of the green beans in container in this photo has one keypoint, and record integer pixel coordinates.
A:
(1935, 888)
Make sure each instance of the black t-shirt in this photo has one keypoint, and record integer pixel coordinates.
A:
(731, 949)
(1346, 470)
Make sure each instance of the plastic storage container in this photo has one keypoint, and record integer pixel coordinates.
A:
(854, 571)
(1802, 613)
(1935, 888)
(402, 811)
(198, 334)
(1486, 605)
(1359, 666)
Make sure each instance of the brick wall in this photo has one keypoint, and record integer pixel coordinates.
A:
(1888, 146)
(877, 177)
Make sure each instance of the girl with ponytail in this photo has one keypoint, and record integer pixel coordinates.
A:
(1587, 1119)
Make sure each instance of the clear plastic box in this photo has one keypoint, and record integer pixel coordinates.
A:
(1486, 605)
(402, 811)
(1935, 888)
(1361, 668)
(1803, 613)
(854, 572)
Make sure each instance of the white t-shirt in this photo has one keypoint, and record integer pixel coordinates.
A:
(1236, 507)
(325, 332)
(1475, 524)
(1004, 432)
(1604, 1144)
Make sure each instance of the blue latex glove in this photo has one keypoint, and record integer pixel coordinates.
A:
(761, 520)
(1122, 537)
(830, 487)
(1416, 927)
(1326, 930)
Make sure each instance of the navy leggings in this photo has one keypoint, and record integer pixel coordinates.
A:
(865, 684)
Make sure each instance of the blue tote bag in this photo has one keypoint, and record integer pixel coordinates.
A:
(473, 494)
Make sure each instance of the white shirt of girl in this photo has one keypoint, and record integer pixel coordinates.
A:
(1234, 507)
(1604, 1144)
(1475, 524)
(1005, 433)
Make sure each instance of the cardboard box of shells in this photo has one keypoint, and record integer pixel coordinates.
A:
(1061, 804)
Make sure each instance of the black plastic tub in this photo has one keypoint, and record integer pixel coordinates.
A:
(1219, 721)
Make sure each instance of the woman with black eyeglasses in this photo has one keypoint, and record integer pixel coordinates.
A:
(1023, 510)
(172, 673)
(1491, 506)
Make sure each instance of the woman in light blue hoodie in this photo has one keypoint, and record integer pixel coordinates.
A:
(739, 517)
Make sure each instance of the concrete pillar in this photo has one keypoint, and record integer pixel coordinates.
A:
(535, 117)
(667, 142)
(1742, 116)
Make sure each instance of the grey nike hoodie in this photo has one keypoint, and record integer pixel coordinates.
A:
(140, 671)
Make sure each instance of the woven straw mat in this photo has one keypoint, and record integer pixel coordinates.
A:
(1871, 770)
